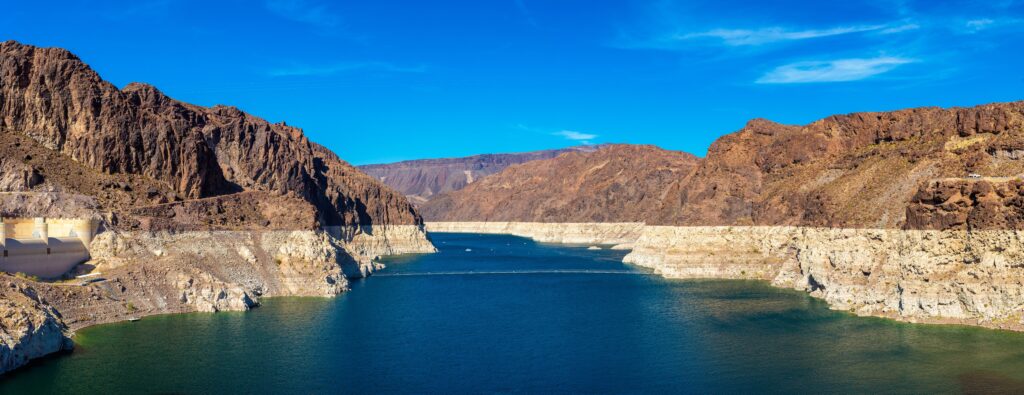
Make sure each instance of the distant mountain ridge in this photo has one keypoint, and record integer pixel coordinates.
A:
(899, 169)
(422, 179)
(617, 183)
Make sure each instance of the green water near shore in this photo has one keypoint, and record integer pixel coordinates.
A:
(534, 318)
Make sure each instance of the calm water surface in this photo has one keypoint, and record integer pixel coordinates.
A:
(545, 318)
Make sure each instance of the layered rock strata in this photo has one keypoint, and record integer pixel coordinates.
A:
(929, 276)
(968, 277)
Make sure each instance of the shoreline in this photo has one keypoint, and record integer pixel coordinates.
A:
(156, 273)
(914, 276)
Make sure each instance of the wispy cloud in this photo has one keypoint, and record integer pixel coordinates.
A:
(581, 137)
(304, 12)
(342, 67)
(768, 35)
(976, 25)
(521, 5)
(839, 70)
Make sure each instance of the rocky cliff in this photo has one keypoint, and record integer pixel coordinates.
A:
(200, 209)
(911, 275)
(157, 149)
(617, 183)
(29, 327)
(860, 170)
(856, 170)
(423, 179)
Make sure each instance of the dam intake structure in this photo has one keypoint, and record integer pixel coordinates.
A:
(44, 247)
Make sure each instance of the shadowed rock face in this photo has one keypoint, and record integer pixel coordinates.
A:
(52, 97)
(617, 183)
(421, 180)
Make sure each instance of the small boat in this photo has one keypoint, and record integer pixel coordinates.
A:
(133, 319)
(469, 250)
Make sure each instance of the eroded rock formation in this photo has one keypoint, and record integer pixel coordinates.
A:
(185, 151)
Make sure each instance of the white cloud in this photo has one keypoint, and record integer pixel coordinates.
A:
(838, 70)
(976, 25)
(576, 136)
(303, 12)
(906, 27)
(344, 67)
(768, 35)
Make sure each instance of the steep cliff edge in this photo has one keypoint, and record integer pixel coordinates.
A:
(910, 275)
(180, 151)
(29, 327)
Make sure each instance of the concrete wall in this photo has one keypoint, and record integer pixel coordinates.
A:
(44, 247)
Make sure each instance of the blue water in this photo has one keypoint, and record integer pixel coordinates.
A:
(542, 318)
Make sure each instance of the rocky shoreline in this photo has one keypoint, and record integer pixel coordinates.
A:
(923, 276)
(150, 273)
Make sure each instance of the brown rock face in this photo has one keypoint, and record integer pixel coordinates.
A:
(859, 170)
(421, 180)
(968, 204)
(140, 136)
(617, 183)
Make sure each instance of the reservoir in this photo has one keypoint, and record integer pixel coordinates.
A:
(492, 313)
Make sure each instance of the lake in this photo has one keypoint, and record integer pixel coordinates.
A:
(492, 313)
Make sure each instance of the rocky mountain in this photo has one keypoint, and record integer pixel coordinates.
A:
(906, 168)
(616, 183)
(423, 179)
(63, 128)
(859, 170)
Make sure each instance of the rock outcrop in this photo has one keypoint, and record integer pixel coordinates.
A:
(910, 275)
(617, 183)
(200, 209)
(29, 327)
(963, 204)
(423, 179)
(191, 152)
(858, 170)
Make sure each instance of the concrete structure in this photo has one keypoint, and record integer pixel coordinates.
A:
(44, 247)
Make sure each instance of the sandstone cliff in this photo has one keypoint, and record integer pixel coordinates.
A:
(617, 183)
(423, 179)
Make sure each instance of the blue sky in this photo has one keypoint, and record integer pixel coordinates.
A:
(386, 80)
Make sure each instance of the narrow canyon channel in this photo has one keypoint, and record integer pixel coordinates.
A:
(495, 313)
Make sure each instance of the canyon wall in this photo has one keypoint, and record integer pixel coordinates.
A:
(931, 276)
(199, 208)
